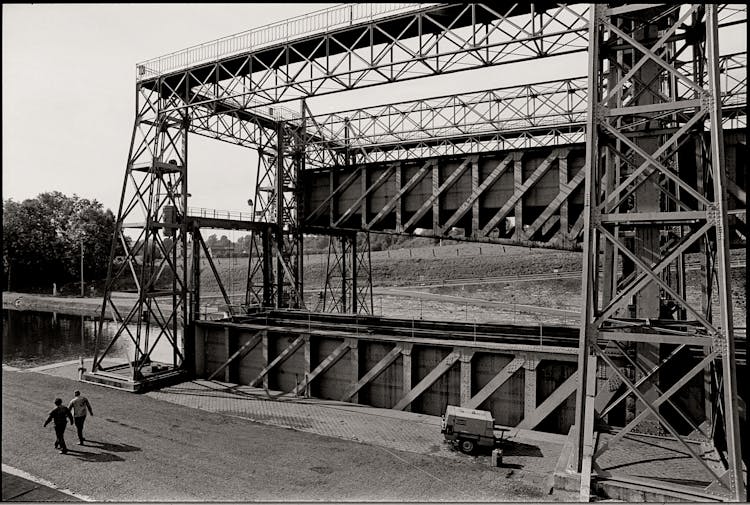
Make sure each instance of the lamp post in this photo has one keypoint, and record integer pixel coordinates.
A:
(82, 287)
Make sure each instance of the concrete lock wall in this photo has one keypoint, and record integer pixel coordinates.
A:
(507, 403)
(387, 388)
(519, 395)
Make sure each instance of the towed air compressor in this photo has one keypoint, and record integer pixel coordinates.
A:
(469, 429)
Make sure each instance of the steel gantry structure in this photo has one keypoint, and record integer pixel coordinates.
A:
(627, 162)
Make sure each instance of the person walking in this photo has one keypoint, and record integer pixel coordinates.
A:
(79, 404)
(60, 415)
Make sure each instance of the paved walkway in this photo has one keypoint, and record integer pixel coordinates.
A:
(526, 451)
(19, 486)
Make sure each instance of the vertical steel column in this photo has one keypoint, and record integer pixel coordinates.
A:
(586, 391)
(279, 218)
(644, 105)
(195, 290)
(260, 290)
(718, 217)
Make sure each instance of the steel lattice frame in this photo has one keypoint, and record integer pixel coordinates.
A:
(348, 282)
(432, 40)
(533, 114)
(636, 187)
(279, 283)
(516, 117)
(153, 201)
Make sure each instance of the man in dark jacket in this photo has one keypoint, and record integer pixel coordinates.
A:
(60, 415)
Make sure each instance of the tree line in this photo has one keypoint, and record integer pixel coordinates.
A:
(43, 237)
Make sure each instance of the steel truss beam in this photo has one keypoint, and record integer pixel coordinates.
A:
(234, 96)
(552, 111)
(153, 204)
(644, 210)
(517, 117)
(532, 115)
(436, 39)
(348, 282)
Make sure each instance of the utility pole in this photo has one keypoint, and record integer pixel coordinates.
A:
(82, 290)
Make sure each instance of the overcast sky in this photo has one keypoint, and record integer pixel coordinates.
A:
(69, 94)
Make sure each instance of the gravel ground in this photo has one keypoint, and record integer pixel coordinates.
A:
(143, 449)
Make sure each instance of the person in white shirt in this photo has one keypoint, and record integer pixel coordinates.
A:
(78, 406)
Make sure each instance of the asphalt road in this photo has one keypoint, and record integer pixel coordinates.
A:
(143, 449)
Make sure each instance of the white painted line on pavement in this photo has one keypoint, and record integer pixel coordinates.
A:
(38, 480)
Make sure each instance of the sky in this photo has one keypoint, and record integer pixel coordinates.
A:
(69, 94)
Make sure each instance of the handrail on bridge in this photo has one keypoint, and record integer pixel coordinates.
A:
(320, 21)
(219, 214)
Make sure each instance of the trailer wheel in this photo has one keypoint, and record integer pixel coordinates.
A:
(466, 446)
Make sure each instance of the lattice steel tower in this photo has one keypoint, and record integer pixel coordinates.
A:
(654, 88)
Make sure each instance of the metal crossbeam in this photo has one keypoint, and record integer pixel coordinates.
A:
(429, 380)
(239, 354)
(327, 363)
(283, 356)
(558, 396)
(494, 384)
(397, 197)
(373, 373)
(519, 191)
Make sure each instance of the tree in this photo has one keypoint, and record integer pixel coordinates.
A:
(30, 244)
(223, 247)
(42, 240)
(244, 245)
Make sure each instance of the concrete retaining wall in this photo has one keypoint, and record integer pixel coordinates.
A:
(520, 394)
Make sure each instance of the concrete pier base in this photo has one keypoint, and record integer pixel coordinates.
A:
(634, 475)
(121, 377)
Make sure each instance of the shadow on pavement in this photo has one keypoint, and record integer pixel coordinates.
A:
(94, 457)
(512, 448)
(106, 446)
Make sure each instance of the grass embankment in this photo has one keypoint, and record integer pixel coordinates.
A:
(404, 267)
(431, 265)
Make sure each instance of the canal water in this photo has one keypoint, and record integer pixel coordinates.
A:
(40, 338)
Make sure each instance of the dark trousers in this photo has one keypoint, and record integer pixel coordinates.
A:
(79, 426)
(60, 433)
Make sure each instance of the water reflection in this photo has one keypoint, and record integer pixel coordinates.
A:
(33, 338)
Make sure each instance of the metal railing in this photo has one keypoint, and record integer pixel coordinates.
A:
(219, 214)
(321, 21)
